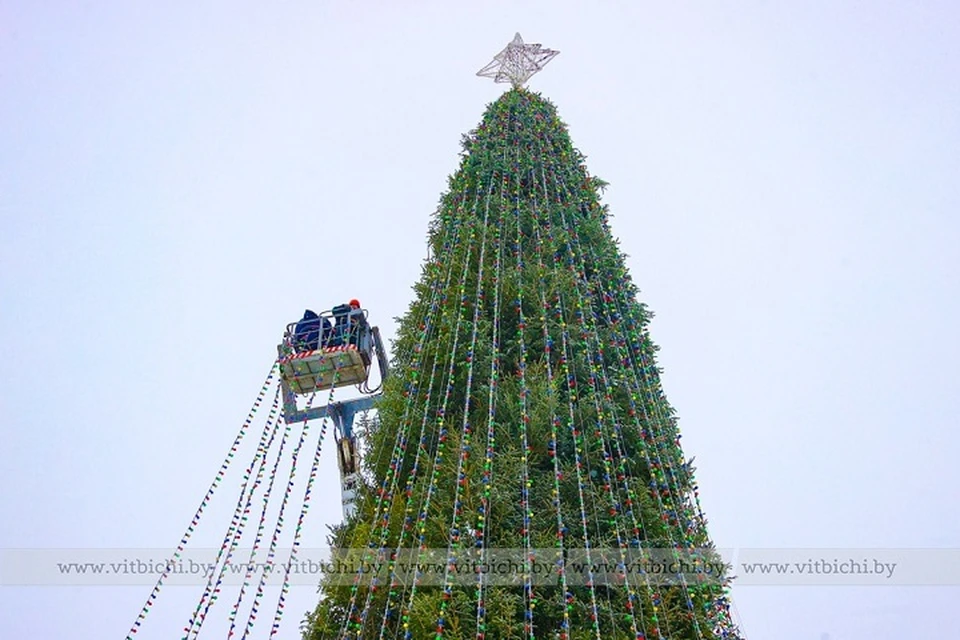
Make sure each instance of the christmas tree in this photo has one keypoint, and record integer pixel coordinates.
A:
(524, 476)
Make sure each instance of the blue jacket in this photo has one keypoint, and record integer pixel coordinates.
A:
(306, 336)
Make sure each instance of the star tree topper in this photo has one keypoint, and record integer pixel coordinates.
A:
(517, 62)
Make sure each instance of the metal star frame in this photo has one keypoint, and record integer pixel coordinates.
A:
(517, 62)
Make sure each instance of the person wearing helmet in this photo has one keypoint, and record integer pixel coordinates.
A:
(356, 322)
(347, 318)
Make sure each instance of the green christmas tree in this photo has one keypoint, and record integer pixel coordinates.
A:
(524, 419)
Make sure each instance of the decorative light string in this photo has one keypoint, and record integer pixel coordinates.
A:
(569, 385)
(483, 515)
(655, 595)
(577, 267)
(422, 349)
(298, 529)
(237, 521)
(239, 530)
(572, 228)
(664, 484)
(523, 401)
(288, 490)
(195, 521)
(687, 543)
(380, 523)
(568, 598)
(438, 302)
(594, 360)
(466, 431)
(261, 526)
(597, 374)
(441, 426)
(380, 520)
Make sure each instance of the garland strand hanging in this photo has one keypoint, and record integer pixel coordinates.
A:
(656, 600)
(595, 359)
(298, 529)
(380, 524)
(441, 428)
(595, 356)
(570, 385)
(673, 482)
(274, 540)
(261, 525)
(466, 431)
(408, 524)
(237, 522)
(484, 509)
(529, 594)
(195, 521)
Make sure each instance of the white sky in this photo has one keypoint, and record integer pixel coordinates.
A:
(179, 180)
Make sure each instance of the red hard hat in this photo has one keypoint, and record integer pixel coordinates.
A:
(355, 303)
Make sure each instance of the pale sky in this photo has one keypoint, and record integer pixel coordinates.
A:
(180, 180)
